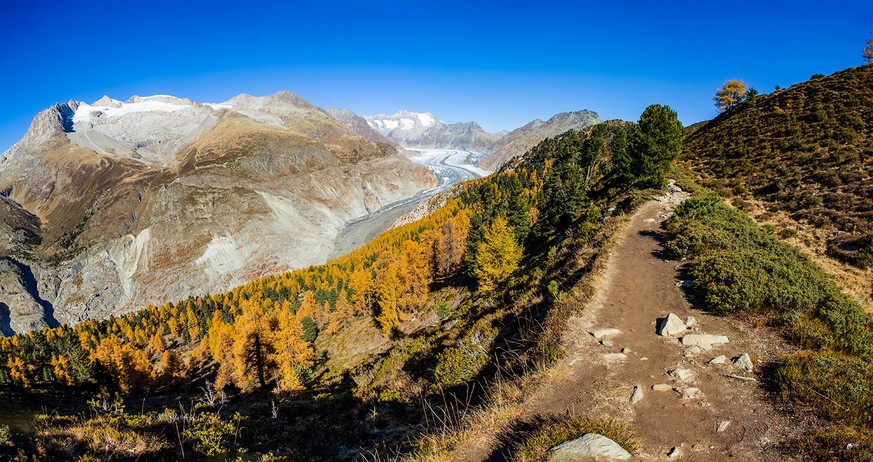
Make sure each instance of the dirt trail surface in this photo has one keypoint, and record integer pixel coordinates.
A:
(678, 415)
(640, 285)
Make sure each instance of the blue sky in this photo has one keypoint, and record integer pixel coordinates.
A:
(500, 63)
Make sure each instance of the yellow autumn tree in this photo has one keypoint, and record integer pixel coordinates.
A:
(361, 282)
(497, 256)
(389, 291)
(730, 94)
(252, 346)
(867, 53)
(453, 242)
(415, 274)
(291, 352)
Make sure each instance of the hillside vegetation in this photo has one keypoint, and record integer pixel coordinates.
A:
(359, 351)
(805, 151)
(741, 269)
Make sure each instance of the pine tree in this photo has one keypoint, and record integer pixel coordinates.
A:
(654, 144)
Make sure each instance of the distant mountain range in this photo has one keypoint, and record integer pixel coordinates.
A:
(423, 130)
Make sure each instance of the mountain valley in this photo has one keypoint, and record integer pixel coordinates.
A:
(265, 280)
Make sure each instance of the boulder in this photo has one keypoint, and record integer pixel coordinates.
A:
(722, 425)
(691, 321)
(637, 394)
(662, 387)
(744, 361)
(606, 333)
(720, 359)
(692, 393)
(691, 351)
(704, 341)
(590, 446)
(681, 374)
(670, 325)
(607, 342)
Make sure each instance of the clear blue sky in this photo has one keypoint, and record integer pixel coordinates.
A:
(501, 63)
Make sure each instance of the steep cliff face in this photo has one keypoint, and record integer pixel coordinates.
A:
(115, 205)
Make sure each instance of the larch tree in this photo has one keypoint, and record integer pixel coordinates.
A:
(497, 256)
(867, 53)
(389, 290)
(730, 94)
(252, 347)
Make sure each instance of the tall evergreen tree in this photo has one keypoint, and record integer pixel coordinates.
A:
(654, 144)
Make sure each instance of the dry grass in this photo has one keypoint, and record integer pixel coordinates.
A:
(103, 436)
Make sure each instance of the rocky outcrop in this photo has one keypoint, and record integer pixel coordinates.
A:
(359, 125)
(21, 307)
(115, 205)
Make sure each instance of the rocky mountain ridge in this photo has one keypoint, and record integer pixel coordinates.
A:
(114, 205)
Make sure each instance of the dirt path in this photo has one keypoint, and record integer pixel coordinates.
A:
(639, 286)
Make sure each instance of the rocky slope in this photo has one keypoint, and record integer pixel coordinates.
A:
(114, 205)
(526, 137)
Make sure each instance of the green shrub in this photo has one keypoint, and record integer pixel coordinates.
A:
(460, 364)
(833, 385)
(209, 433)
(5, 436)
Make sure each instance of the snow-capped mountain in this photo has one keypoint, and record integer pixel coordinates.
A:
(424, 130)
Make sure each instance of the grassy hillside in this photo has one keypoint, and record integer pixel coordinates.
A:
(806, 151)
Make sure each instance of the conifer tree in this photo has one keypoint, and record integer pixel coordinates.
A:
(497, 256)
(654, 143)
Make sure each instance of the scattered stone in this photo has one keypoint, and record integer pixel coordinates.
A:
(704, 341)
(614, 356)
(674, 453)
(691, 351)
(722, 426)
(662, 387)
(744, 361)
(649, 220)
(586, 447)
(670, 325)
(681, 374)
(692, 393)
(690, 321)
(740, 377)
(643, 358)
(607, 342)
(720, 359)
(625, 350)
(601, 334)
(637, 394)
